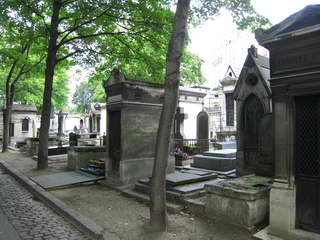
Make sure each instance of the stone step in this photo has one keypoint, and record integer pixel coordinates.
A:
(196, 206)
(145, 189)
(171, 207)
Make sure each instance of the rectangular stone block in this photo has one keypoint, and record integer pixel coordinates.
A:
(214, 163)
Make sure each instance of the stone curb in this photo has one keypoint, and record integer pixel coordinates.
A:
(82, 223)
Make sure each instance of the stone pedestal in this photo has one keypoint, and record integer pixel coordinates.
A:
(79, 156)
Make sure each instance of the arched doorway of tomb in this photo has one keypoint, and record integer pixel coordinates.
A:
(252, 113)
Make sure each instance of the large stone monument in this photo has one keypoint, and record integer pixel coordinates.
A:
(295, 74)
(134, 109)
(254, 121)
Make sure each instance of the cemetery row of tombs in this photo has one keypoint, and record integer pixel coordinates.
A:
(269, 176)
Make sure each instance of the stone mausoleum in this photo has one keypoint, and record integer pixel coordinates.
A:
(134, 109)
(254, 129)
(295, 83)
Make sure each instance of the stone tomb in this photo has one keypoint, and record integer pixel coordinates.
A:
(243, 201)
(254, 120)
(134, 109)
(220, 160)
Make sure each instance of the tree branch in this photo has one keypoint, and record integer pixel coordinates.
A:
(69, 31)
(68, 55)
(89, 36)
(36, 12)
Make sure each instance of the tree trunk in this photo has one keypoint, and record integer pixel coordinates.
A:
(6, 127)
(158, 212)
(49, 73)
(8, 109)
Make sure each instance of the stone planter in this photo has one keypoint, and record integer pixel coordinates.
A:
(243, 201)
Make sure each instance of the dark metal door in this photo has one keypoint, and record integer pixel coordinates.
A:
(252, 114)
(307, 162)
(115, 139)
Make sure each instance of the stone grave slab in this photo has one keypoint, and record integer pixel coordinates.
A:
(192, 187)
(64, 179)
(214, 163)
(226, 153)
(226, 145)
(195, 171)
(178, 178)
(230, 173)
(185, 176)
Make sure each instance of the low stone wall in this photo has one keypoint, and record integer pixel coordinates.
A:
(243, 201)
(78, 156)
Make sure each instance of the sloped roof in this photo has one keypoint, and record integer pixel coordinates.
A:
(261, 63)
(23, 108)
(191, 91)
(305, 21)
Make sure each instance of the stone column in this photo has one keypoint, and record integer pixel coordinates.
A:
(282, 195)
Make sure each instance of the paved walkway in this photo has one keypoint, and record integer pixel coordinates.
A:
(22, 217)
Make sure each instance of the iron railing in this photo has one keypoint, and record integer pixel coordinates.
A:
(194, 146)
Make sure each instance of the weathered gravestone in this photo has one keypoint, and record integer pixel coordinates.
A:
(203, 131)
(134, 109)
(254, 121)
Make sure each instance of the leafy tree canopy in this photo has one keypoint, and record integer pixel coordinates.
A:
(83, 97)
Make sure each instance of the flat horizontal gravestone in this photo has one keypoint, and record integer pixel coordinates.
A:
(219, 160)
(64, 179)
(228, 153)
(226, 145)
(178, 178)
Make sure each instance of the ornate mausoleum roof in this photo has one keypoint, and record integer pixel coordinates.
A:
(305, 21)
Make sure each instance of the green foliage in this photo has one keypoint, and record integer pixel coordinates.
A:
(191, 69)
(129, 35)
(83, 97)
(242, 12)
(22, 48)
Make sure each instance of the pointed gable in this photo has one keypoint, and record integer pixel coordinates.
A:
(254, 76)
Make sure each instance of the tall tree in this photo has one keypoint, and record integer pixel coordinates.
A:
(245, 16)
(20, 53)
(83, 29)
(158, 213)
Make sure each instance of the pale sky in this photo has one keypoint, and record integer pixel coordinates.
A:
(206, 39)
